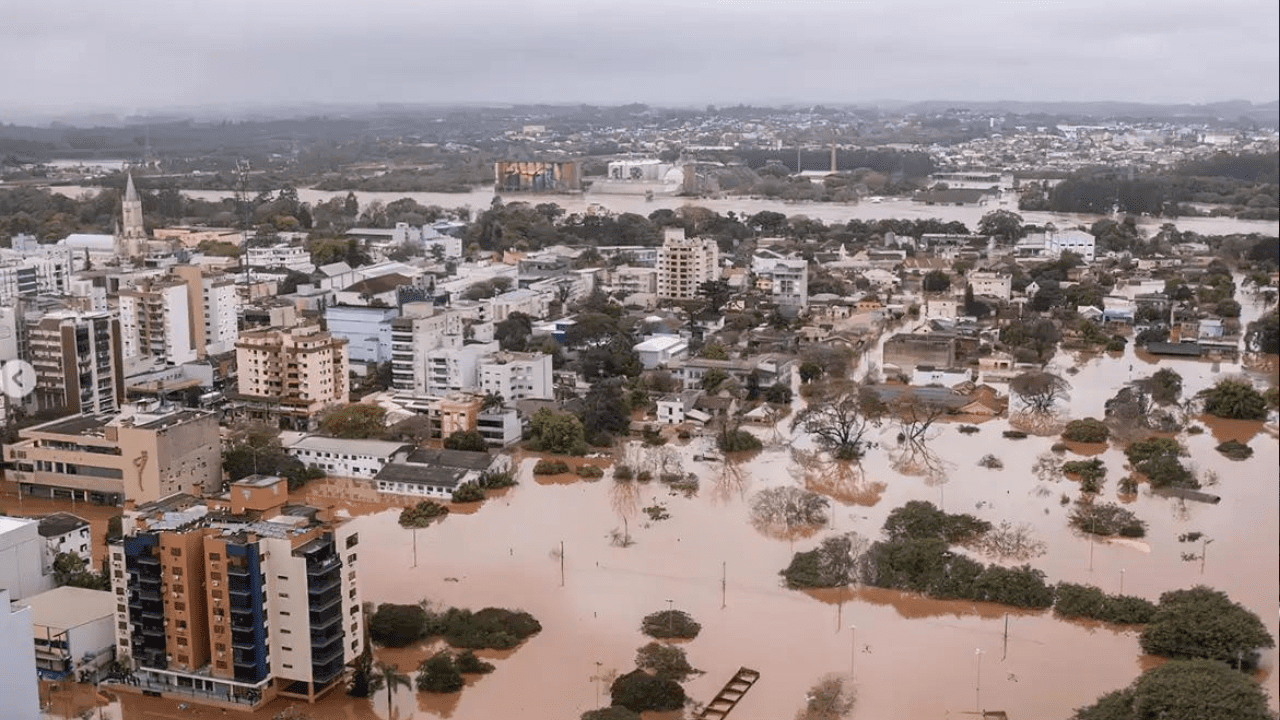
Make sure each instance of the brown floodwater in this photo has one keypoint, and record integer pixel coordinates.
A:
(911, 657)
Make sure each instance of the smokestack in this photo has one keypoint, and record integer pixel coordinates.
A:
(833, 157)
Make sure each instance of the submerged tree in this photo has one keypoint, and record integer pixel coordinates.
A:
(839, 420)
(1040, 391)
(788, 511)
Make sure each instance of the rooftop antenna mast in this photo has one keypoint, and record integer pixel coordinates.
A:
(242, 204)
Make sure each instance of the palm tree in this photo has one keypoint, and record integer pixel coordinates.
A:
(389, 677)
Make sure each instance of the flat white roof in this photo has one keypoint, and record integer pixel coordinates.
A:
(368, 448)
(659, 343)
(9, 524)
(68, 607)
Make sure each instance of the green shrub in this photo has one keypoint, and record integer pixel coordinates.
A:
(467, 492)
(1087, 430)
(920, 519)
(623, 472)
(639, 691)
(490, 628)
(1020, 586)
(1106, 519)
(1235, 400)
(590, 471)
(1086, 601)
(439, 674)
(469, 664)
(670, 624)
(1152, 448)
(550, 467)
(1090, 473)
(494, 479)
(421, 515)
(829, 565)
(665, 661)
(737, 440)
(1235, 450)
(1167, 471)
(1204, 623)
(398, 625)
(644, 476)
(1015, 434)
(466, 440)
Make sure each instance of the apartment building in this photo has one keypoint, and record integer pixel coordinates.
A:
(283, 255)
(684, 264)
(65, 533)
(992, 284)
(235, 601)
(78, 359)
(46, 273)
(516, 376)
(366, 329)
(289, 376)
(214, 307)
(147, 451)
(785, 279)
(156, 321)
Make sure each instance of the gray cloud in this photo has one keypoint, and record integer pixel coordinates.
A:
(146, 54)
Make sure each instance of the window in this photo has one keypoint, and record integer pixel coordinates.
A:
(351, 558)
(353, 540)
(284, 612)
(286, 631)
(284, 595)
(179, 606)
(286, 649)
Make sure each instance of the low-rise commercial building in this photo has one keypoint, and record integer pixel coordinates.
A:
(22, 567)
(74, 632)
(146, 452)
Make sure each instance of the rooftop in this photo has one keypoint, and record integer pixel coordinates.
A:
(380, 448)
(69, 607)
(60, 524)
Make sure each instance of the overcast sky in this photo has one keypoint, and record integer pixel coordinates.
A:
(140, 55)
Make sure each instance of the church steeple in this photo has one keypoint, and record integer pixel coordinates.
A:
(132, 235)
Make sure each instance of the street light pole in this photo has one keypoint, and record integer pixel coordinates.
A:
(978, 687)
(671, 617)
(1121, 581)
(853, 651)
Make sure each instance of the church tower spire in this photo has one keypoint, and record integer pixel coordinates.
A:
(132, 234)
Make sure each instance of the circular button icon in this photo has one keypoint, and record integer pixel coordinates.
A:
(19, 378)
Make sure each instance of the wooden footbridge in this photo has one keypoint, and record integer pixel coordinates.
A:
(729, 696)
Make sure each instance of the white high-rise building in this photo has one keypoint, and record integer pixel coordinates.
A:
(18, 685)
(684, 264)
(214, 307)
(155, 322)
(516, 376)
(22, 559)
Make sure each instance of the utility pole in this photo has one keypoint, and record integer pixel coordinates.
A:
(724, 588)
(561, 563)
(1005, 654)
(415, 547)
(853, 652)
(1204, 547)
(978, 686)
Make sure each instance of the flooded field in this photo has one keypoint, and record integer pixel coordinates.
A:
(912, 657)
(479, 199)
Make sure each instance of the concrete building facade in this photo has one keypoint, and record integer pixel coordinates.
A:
(516, 376)
(214, 307)
(146, 452)
(22, 572)
(78, 359)
(19, 685)
(74, 632)
(289, 376)
(684, 264)
(238, 600)
(156, 321)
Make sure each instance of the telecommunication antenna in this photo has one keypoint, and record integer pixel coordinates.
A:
(242, 205)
